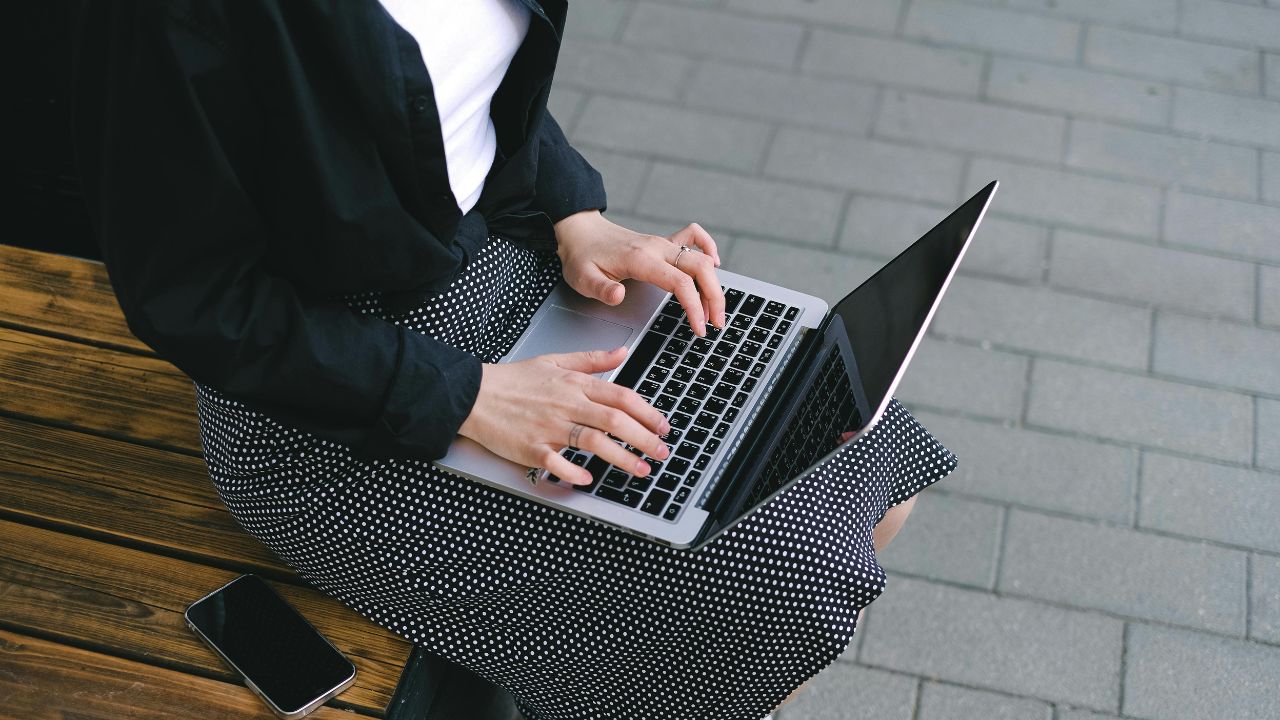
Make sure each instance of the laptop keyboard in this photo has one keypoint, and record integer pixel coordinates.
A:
(701, 385)
(828, 411)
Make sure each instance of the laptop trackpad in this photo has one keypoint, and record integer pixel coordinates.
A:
(561, 330)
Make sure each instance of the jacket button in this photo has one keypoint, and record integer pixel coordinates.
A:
(420, 104)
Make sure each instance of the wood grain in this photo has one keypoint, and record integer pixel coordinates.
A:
(107, 391)
(44, 680)
(94, 593)
(61, 295)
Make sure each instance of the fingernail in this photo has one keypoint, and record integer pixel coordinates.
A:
(642, 468)
(666, 427)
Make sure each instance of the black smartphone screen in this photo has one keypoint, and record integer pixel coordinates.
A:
(270, 643)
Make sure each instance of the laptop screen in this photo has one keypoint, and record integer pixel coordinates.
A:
(885, 316)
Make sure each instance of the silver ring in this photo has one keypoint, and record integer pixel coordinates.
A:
(683, 249)
(573, 436)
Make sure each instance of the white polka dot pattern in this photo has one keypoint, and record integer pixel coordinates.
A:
(578, 620)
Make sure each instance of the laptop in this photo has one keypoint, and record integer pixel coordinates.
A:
(753, 407)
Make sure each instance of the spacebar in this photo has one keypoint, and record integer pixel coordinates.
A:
(639, 359)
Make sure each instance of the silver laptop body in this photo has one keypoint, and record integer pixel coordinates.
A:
(568, 322)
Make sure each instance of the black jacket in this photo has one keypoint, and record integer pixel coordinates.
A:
(248, 163)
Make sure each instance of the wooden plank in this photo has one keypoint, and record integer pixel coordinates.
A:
(43, 680)
(61, 295)
(101, 595)
(106, 391)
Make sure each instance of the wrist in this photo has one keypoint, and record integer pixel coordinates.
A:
(470, 427)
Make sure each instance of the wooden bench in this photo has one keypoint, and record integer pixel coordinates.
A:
(109, 526)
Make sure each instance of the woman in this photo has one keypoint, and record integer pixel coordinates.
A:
(335, 217)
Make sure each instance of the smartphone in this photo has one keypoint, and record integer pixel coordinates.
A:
(281, 657)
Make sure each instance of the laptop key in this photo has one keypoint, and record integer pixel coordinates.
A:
(674, 388)
(705, 420)
(648, 388)
(706, 377)
(693, 360)
(668, 481)
(687, 450)
(774, 341)
(657, 374)
(701, 345)
(712, 445)
(656, 501)
(767, 321)
(791, 313)
(615, 479)
(715, 405)
(757, 370)
(692, 478)
(750, 349)
(640, 483)
(773, 307)
(783, 327)
(740, 362)
(639, 359)
(698, 391)
(673, 511)
(697, 435)
(715, 362)
(679, 420)
(731, 414)
(666, 360)
(733, 377)
(766, 355)
(724, 390)
(733, 335)
(664, 403)
(701, 462)
(630, 498)
(688, 405)
(758, 334)
(724, 349)
(677, 465)
(682, 494)
(721, 430)
(676, 346)
(665, 324)
(752, 305)
(749, 385)
(731, 299)
(740, 322)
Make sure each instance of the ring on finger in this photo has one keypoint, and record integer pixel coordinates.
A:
(683, 249)
(574, 433)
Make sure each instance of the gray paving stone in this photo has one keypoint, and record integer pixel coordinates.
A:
(1225, 226)
(1033, 468)
(1043, 320)
(1155, 14)
(824, 273)
(1124, 571)
(1268, 433)
(981, 382)
(947, 538)
(1271, 72)
(1223, 353)
(1271, 172)
(993, 29)
(1231, 117)
(600, 18)
(1164, 159)
(1142, 410)
(1269, 296)
(939, 701)
(783, 97)
(1006, 644)
(1177, 60)
(1215, 502)
(758, 206)
(894, 62)
(970, 126)
(884, 228)
(589, 64)
(850, 692)
(1186, 675)
(714, 33)
(676, 133)
(872, 14)
(854, 163)
(1264, 598)
(1078, 90)
(1159, 276)
(1069, 198)
(623, 175)
(1078, 714)
(1232, 22)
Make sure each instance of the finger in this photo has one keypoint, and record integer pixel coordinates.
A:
(662, 273)
(630, 402)
(555, 464)
(590, 361)
(594, 440)
(624, 427)
(844, 437)
(694, 235)
(600, 286)
(700, 267)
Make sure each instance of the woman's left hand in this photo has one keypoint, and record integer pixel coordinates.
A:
(597, 255)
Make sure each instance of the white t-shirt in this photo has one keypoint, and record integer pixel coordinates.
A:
(467, 46)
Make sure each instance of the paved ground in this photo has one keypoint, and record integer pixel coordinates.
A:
(1107, 367)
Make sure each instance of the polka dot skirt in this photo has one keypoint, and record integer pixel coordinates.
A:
(578, 620)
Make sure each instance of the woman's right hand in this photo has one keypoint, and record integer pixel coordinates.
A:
(525, 412)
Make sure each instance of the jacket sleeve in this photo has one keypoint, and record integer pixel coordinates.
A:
(184, 248)
(566, 182)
